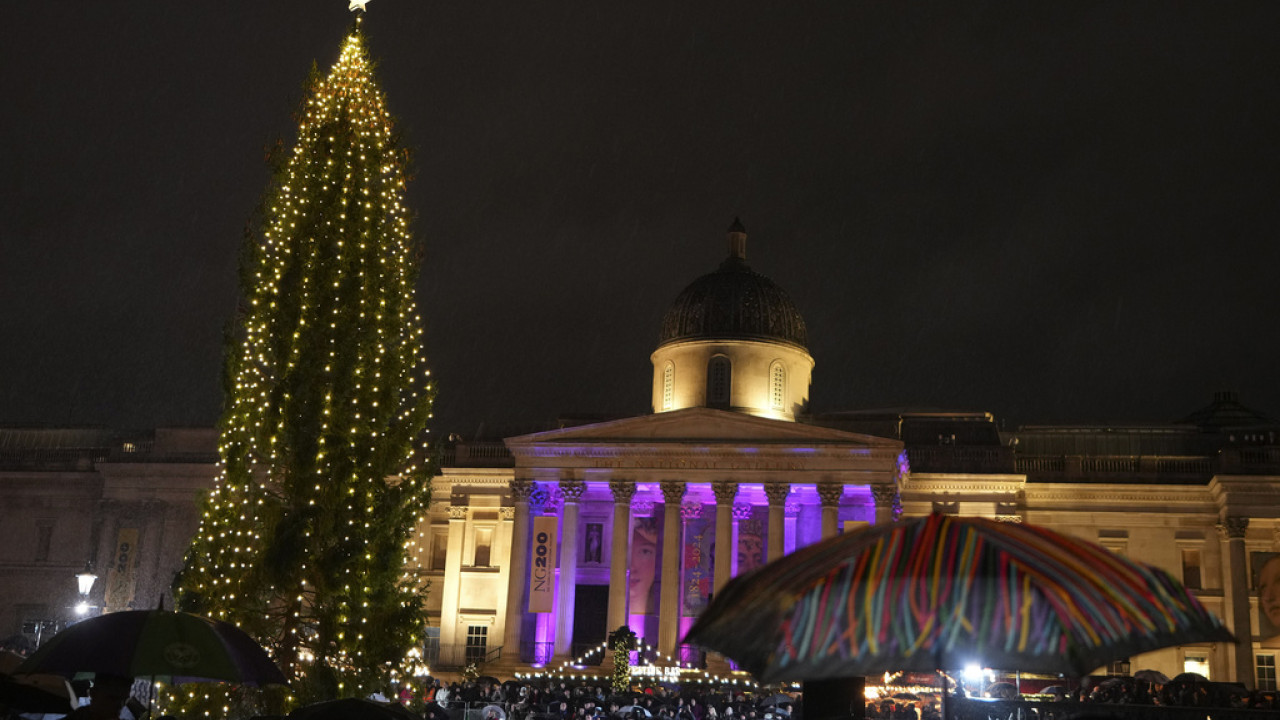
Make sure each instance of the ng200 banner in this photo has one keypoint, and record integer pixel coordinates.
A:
(542, 565)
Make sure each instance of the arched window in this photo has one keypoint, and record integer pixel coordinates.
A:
(719, 379)
(668, 386)
(777, 386)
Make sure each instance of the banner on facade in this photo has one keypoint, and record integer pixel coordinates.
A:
(121, 577)
(542, 565)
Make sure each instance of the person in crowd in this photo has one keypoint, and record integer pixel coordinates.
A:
(107, 697)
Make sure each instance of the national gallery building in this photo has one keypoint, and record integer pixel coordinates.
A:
(537, 546)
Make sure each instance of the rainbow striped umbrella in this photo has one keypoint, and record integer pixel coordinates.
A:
(942, 592)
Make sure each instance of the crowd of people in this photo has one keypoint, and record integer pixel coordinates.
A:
(556, 700)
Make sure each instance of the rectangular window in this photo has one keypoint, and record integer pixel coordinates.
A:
(439, 548)
(1191, 568)
(1196, 663)
(1266, 671)
(477, 643)
(484, 543)
(1119, 667)
(44, 541)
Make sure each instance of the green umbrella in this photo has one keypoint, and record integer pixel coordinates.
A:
(170, 646)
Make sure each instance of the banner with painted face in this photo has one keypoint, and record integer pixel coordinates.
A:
(542, 564)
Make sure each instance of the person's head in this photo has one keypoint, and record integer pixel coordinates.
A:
(108, 695)
(1269, 590)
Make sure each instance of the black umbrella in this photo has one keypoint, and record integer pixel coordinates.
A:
(354, 709)
(30, 698)
(488, 680)
(778, 699)
(178, 647)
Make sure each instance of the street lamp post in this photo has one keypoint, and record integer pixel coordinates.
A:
(84, 581)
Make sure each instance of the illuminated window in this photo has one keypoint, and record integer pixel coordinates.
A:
(719, 377)
(1195, 662)
(439, 548)
(1265, 666)
(484, 542)
(668, 386)
(477, 643)
(1191, 568)
(777, 386)
(1119, 667)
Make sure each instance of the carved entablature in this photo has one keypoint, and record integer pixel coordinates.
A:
(457, 512)
(1233, 527)
(725, 491)
(507, 513)
(623, 491)
(777, 492)
(672, 491)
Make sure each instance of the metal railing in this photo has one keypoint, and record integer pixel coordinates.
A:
(458, 656)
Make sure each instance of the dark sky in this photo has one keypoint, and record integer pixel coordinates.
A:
(1051, 211)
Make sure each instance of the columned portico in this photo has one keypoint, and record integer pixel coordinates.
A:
(622, 491)
(725, 492)
(572, 490)
(669, 612)
(777, 493)
(1232, 531)
(521, 488)
(829, 494)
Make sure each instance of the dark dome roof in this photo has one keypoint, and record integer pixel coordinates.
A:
(734, 303)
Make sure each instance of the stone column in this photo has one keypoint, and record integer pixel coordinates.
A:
(726, 491)
(777, 493)
(888, 506)
(741, 511)
(1232, 531)
(572, 491)
(620, 552)
(517, 579)
(669, 612)
(830, 494)
(449, 595)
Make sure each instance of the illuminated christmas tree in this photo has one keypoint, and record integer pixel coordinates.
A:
(306, 538)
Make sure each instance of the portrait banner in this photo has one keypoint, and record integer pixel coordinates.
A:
(1266, 580)
(120, 574)
(542, 565)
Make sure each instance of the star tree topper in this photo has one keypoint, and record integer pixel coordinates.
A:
(357, 5)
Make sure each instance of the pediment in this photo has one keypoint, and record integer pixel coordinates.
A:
(702, 426)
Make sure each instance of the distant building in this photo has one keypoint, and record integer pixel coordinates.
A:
(633, 515)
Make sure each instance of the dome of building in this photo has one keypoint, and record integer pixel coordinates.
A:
(734, 303)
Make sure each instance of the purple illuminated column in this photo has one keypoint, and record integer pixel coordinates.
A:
(619, 551)
(567, 584)
(521, 488)
(726, 491)
(777, 493)
(888, 505)
(830, 494)
(669, 612)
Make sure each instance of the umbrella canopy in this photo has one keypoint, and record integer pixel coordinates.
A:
(1151, 676)
(629, 709)
(353, 709)
(778, 699)
(490, 712)
(943, 591)
(178, 647)
(47, 694)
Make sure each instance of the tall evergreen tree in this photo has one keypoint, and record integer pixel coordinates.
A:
(306, 537)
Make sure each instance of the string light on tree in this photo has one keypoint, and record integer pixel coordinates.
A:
(306, 539)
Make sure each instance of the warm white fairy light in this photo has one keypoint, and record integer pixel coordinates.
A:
(329, 393)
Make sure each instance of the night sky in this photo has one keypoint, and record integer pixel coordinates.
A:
(1055, 212)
